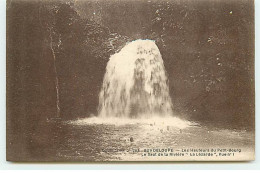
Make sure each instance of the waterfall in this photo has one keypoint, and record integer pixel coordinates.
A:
(135, 83)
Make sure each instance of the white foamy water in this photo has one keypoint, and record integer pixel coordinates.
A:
(161, 122)
(135, 83)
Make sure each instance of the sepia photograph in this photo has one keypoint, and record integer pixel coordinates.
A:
(130, 80)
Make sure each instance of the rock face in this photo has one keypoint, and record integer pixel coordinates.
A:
(135, 83)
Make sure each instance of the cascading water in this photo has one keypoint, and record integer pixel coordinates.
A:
(135, 83)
